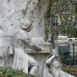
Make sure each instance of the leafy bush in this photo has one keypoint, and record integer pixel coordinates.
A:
(71, 69)
(9, 72)
(62, 57)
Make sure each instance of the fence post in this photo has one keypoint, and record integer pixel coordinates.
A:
(73, 54)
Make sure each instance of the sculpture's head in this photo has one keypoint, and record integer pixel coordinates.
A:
(55, 52)
(26, 25)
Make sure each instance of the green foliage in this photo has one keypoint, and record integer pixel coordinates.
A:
(66, 11)
(71, 70)
(9, 72)
(62, 57)
(75, 32)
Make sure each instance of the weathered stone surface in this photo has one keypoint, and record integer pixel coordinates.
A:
(21, 20)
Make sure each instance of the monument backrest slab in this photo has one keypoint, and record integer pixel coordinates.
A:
(64, 48)
(62, 38)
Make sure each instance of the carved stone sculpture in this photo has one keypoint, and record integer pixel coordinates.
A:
(5, 48)
(54, 66)
(21, 59)
(15, 42)
(16, 17)
(20, 19)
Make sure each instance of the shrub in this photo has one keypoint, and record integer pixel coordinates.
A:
(9, 72)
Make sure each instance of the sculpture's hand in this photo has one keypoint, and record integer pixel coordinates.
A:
(27, 40)
(36, 48)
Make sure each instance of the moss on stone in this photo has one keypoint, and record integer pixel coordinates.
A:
(39, 6)
(48, 8)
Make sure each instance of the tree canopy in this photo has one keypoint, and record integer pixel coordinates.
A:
(61, 16)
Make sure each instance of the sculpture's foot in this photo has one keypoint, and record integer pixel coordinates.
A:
(33, 70)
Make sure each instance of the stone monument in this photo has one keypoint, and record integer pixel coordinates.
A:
(22, 44)
(12, 50)
(53, 67)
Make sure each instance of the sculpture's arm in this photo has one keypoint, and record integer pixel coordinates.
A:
(28, 41)
(10, 50)
(48, 61)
